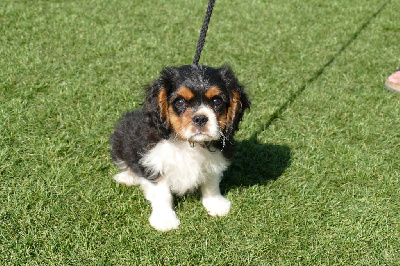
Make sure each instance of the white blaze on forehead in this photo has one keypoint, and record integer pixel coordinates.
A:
(210, 131)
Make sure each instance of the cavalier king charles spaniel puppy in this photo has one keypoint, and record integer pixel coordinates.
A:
(181, 140)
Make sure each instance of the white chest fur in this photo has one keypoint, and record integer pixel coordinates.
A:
(183, 167)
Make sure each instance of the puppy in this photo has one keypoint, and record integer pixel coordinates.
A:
(182, 139)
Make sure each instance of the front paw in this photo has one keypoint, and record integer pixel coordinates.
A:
(164, 220)
(217, 206)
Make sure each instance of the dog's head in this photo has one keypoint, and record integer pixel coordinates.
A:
(197, 103)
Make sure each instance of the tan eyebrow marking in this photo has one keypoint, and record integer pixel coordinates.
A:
(212, 92)
(185, 93)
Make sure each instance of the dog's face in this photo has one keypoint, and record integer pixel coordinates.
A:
(196, 115)
(197, 103)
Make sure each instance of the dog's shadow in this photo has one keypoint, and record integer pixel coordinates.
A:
(255, 163)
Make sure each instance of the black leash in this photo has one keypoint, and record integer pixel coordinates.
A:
(203, 32)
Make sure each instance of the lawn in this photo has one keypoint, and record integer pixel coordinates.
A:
(316, 180)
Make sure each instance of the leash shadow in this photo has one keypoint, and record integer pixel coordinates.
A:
(255, 163)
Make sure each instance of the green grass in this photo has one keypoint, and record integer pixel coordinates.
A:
(316, 177)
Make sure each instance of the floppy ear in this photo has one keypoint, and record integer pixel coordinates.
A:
(238, 101)
(155, 105)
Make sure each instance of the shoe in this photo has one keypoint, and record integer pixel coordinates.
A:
(392, 83)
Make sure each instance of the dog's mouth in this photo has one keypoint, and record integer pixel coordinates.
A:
(203, 126)
(201, 136)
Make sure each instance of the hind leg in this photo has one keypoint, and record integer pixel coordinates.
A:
(127, 178)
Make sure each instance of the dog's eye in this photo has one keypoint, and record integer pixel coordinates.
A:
(217, 101)
(180, 102)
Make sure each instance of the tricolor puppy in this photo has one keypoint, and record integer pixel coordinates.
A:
(181, 140)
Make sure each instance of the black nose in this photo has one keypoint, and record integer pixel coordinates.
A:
(200, 120)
